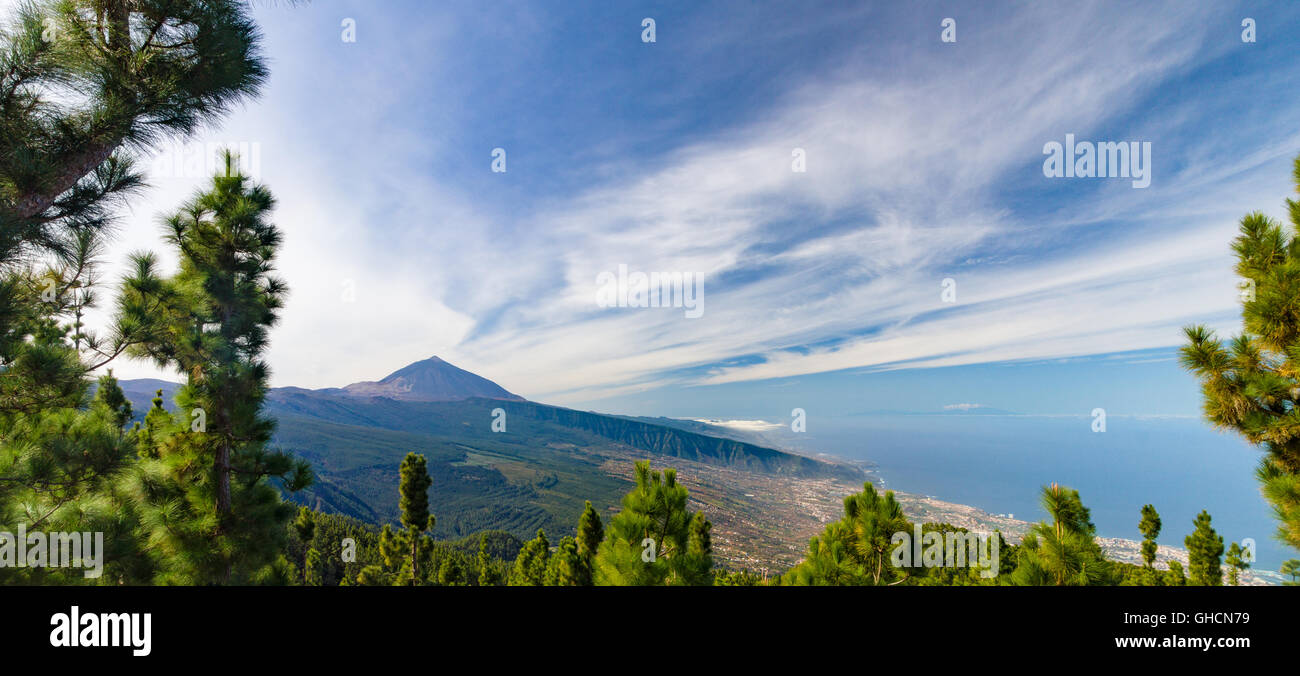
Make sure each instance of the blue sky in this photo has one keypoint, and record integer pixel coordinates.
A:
(924, 162)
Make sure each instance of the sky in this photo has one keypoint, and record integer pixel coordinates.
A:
(923, 163)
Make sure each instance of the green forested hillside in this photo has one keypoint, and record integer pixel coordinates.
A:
(478, 483)
(535, 474)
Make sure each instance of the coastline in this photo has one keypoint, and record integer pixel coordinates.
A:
(823, 498)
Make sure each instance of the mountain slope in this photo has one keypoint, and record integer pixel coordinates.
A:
(542, 424)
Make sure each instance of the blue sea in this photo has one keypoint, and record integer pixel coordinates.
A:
(998, 463)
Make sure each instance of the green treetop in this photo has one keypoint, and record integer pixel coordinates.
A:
(1149, 526)
(1204, 547)
(1291, 567)
(1062, 551)
(566, 567)
(856, 549)
(530, 566)
(487, 571)
(649, 541)
(1237, 563)
(590, 532)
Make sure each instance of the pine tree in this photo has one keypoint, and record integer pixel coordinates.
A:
(158, 423)
(1149, 526)
(590, 532)
(110, 394)
(1063, 551)
(305, 528)
(312, 567)
(212, 514)
(1174, 577)
(1204, 547)
(305, 525)
(530, 566)
(375, 576)
(856, 549)
(696, 568)
(830, 561)
(571, 564)
(395, 555)
(452, 569)
(406, 554)
(1252, 384)
(1291, 567)
(873, 519)
(414, 506)
(487, 572)
(1237, 564)
(566, 567)
(649, 542)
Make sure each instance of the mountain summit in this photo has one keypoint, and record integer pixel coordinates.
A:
(431, 380)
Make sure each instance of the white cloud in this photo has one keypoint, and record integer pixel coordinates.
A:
(918, 178)
(744, 425)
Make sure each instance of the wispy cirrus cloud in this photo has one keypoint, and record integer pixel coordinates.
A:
(840, 268)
